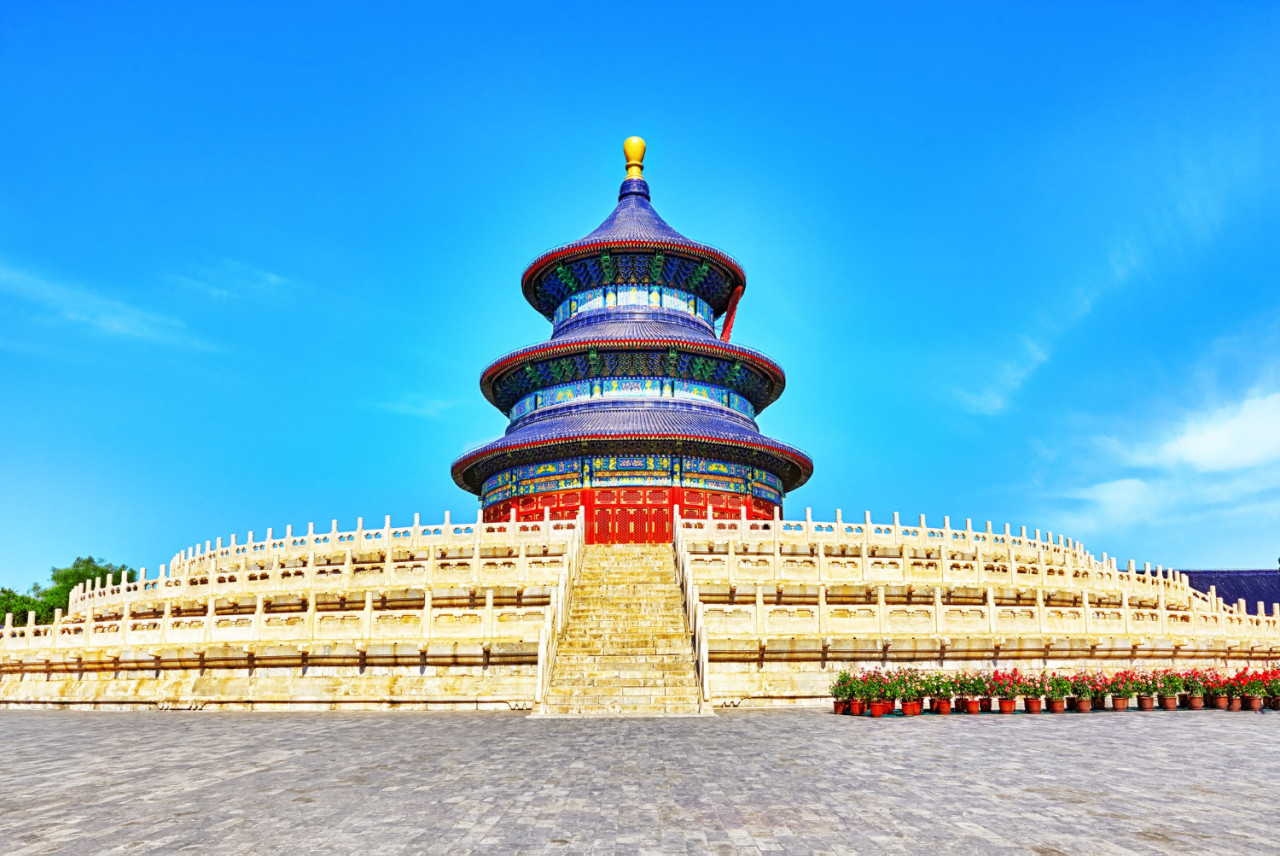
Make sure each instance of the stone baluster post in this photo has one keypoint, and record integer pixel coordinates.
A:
(759, 610)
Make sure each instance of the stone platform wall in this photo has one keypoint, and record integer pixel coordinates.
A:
(443, 616)
(780, 607)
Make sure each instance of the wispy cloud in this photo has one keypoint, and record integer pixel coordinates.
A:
(1242, 434)
(105, 315)
(419, 406)
(1219, 463)
(1004, 379)
(231, 280)
(1200, 187)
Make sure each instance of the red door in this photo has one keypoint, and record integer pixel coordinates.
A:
(632, 525)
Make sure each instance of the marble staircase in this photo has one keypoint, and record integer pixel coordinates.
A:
(625, 649)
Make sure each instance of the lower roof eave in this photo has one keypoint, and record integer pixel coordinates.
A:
(464, 465)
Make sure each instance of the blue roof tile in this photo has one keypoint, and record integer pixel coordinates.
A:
(1252, 585)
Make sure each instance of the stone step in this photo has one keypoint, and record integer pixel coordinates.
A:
(624, 686)
(625, 648)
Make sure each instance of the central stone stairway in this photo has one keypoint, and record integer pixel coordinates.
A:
(625, 649)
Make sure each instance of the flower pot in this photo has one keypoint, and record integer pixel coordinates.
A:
(1184, 700)
(911, 708)
(857, 707)
(942, 706)
(1057, 705)
(985, 704)
(1233, 703)
(840, 705)
(1071, 704)
(1008, 705)
(1084, 705)
(1274, 703)
(1032, 705)
(1253, 702)
(1195, 702)
(960, 704)
(1119, 703)
(1146, 702)
(877, 709)
(1168, 702)
(1220, 702)
(973, 705)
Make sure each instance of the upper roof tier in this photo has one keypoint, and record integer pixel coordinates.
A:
(633, 227)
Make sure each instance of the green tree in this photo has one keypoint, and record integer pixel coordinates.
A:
(44, 601)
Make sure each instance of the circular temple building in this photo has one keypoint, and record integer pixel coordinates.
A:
(636, 406)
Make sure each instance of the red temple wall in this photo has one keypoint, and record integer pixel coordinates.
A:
(630, 515)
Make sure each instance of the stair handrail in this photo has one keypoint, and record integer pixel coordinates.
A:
(693, 610)
(684, 578)
(553, 624)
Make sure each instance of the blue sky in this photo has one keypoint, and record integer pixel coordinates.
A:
(1020, 262)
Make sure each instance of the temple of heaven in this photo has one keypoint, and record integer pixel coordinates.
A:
(635, 406)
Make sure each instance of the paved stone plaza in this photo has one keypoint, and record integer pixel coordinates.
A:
(788, 782)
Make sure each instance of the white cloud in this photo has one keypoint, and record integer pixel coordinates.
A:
(1004, 380)
(1245, 434)
(230, 280)
(1218, 471)
(106, 315)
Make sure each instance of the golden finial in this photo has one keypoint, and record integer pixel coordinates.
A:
(633, 148)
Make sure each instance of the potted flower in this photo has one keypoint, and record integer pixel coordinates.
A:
(1195, 683)
(878, 694)
(1101, 687)
(1122, 686)
(1082, 685)
(939, 687)
(842, 692)
(975, 688)
(1004, 686)
(1032, 689)
(910, 689)
(1144, 684)
(1252, 687)
(1215, 687)
(863, 692)
(1273, 689)
(1169, 685)
(1057, 688)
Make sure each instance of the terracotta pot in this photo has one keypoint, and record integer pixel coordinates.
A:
(1233, 704)
(1220, 702)
(1168, 702)
(1274, 703)
(1032, 705)
(1071, 704)
(942, 706)
(1253, 702)
(1146, 702)
(1184, 700)
(877, 709)
(1008, 705)
(973, 706)
(1119, 703)
(985, 704)
(911, 708)
(960, 704)
(1195, 702)
(1084, 705)
(857, 707)
(1057, 705)
(840, 705)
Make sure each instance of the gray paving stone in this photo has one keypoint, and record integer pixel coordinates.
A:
(765, 782)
